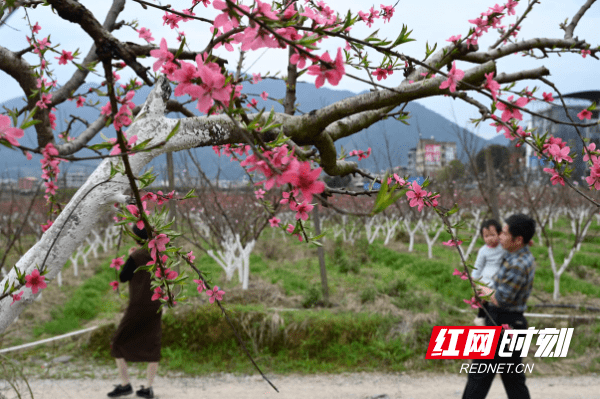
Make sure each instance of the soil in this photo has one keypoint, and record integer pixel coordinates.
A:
(346, 386)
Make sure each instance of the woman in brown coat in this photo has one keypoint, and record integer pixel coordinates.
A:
(139, 334)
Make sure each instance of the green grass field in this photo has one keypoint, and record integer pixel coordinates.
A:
(385, 301)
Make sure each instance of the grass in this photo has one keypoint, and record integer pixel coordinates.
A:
(385, 302)
(84, 303)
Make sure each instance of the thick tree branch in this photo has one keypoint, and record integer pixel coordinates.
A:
(72, 11)
(307, 126)
(571, 27)
(537, 43)
(78, 78)
(522, 75)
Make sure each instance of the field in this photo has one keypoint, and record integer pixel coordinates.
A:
(384, 303)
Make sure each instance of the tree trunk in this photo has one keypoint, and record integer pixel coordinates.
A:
(491, 183)
(96, 197)
(321, 255)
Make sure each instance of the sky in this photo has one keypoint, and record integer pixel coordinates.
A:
(431, 21)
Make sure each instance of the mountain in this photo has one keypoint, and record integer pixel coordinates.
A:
(389, 139)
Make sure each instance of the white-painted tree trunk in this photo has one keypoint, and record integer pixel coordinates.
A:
(475, 223)
(99, 192)
(411, 232)
(430, 228)
(390, 226)
(372, 228)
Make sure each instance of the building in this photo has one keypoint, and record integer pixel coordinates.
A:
(27, 183)
(430, 156)
(76, 179)
(575, 103)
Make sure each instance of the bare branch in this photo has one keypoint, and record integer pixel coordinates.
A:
(571, 27)
(515, 26)
(537, 43)
(80, 141)
(106, 44)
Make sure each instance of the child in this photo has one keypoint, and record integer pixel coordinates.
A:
(488, 260)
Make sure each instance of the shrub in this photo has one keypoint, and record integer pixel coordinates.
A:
(312, 297)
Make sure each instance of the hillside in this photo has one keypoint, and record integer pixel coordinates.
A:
(389, 139)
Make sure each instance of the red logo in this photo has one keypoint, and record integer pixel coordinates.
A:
(463, 342)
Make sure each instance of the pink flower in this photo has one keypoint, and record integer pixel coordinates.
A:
(454, 39)
(556, 178)
(158, 293)
(190, 256)
(491, 84)
(80, 102)
(510, 111)
(560, 154)
(290, 229)
(35, 281)
(264, 95)
(256, 78)
(163, 55)
(325, 71)
(585, 114)
(146, 34)
(380, 74)
(117, 263)
(201, 286)
(548, 97)
(114, 284)
(510, 6)
(46, 99)
(301, 209)
(473, 302)
(454, 76)
(215, 293)
(36, 28)
(585, 53)
(158, 244)
(591, 148)
(452, 243)
(274, 221)
(388, 12)
(417, 196)
(304, 179)
(168, 274)
(8, 133)
(46, 226)
(16, 297)
(65, 57)
(260, 193)
(172, 20)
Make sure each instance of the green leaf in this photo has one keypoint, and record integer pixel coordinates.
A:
(180, 50)
(403, 37)
(175, 129)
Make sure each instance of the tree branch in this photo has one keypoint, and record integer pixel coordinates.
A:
(537, 43)
(72, 11)
(571, 27)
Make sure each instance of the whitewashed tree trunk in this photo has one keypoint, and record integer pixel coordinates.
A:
(99, 192)
(390, 226)
(372, 228)
(430, 228)
(474, 224)
(411, 232)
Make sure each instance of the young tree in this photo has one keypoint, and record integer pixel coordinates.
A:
(287, 149)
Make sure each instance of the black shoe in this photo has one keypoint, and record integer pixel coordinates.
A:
(121, 390)
(145, 392)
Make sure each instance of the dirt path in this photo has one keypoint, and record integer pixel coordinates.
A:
(346, 386)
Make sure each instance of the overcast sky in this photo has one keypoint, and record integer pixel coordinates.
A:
(432, 21)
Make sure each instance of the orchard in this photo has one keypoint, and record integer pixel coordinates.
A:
(284, 153)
